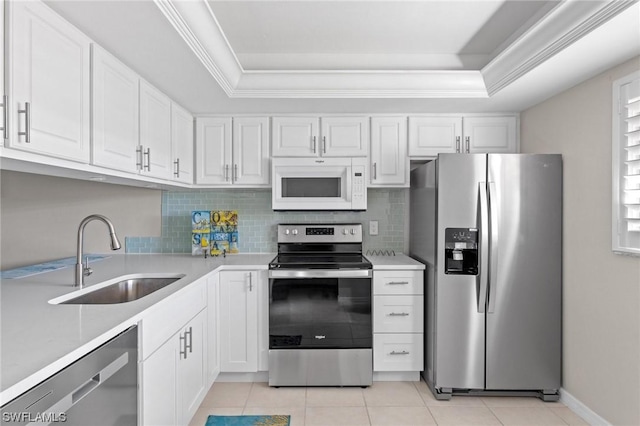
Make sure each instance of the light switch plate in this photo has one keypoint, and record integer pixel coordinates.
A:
(373, 227)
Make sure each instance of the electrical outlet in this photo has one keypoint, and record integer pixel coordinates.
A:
(373, 227)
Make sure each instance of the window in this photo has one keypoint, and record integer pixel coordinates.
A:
(626, 164)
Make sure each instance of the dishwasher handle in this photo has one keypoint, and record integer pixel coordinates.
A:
(71, 399)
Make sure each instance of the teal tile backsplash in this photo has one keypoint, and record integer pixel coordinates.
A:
(257, 222)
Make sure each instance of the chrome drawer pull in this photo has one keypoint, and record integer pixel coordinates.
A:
(398, 282)
(399, 353)
(396, 314)
(27, 122)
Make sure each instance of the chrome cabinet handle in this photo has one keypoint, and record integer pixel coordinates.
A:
(457, 143)
(183, 345)
(147, 153)
(398, 314)
(399, 353)
(235, 173)
(467, 142)
(27, 122)
(190, 344)
(398, 282)
(226, 172)
(139, 157)
(314, 145)
(5, 116)
(324, 144)
(177, 164)
(250, 282)
(375, 171)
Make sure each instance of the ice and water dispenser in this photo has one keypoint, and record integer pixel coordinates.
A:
(461, 251)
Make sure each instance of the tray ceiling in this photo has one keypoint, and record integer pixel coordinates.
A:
(377, 56)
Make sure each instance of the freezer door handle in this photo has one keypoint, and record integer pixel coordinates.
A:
(493, 247)
(484, 247)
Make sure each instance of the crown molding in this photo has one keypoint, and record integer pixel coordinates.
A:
(196, 23)
(561, 27)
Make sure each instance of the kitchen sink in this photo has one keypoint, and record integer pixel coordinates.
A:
(125, 289)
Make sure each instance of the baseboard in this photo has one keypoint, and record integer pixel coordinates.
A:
(582, 410)
(261, 376)
(396, 376)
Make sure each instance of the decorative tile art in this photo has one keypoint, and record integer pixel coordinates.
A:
(214, 232)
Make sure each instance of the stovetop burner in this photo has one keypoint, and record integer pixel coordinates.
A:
(319, 261)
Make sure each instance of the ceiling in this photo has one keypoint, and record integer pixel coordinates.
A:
(400, 56)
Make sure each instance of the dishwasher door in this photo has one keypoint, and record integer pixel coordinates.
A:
(100, 388)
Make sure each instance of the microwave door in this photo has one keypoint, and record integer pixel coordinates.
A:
(300, 189)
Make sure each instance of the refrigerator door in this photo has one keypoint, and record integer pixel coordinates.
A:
(524, 316)
(459, 326)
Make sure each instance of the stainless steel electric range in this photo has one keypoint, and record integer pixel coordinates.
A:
(320, 331)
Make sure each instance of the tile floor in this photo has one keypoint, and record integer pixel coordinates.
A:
(384, 403)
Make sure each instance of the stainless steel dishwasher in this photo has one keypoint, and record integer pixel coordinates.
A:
(100, 388)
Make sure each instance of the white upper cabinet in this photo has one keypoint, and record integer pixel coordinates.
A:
(345, 136)
(232, 151)
(429, 136)
(155, 132)
(388, 161)
(251, 151)
(49, 91)
(490, 134)
(320, 137)
(115, 113)
(182, 144)
(432, 135)
(3, 93)
(213, 151)
(295, 136)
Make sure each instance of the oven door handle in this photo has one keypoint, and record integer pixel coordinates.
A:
(321, 273)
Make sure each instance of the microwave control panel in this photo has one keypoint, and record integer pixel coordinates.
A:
(359, 198)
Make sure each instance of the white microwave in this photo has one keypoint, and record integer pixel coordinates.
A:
(319, 184)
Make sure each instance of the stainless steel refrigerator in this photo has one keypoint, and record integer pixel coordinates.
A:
(489, 229)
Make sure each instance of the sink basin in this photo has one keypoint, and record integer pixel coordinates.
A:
(125, 289)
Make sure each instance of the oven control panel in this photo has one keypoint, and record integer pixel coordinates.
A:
(320, 233)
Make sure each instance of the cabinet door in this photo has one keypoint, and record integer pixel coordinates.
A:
(155, 132)
(251, 151)
(490, 134)
(213, 329)
(182, 144)
(49, 69)
(213, 151)
(430, 136)
(159, 379)
(238, 321)
(192, 367)
(295, 137)
(115, 113)
(345, 137)
(389, 161)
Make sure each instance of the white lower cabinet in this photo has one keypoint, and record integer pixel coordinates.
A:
(398, 320)
(238, 306)
(213, 328)
(173, 371)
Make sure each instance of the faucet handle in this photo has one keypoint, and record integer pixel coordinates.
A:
(85, 268)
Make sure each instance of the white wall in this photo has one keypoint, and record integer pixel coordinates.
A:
(601, 365)
(39, 216)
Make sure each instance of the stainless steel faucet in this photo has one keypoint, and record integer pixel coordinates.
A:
(83, 270)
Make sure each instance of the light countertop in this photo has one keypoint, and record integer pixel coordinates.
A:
(38, 339)
(399, 261)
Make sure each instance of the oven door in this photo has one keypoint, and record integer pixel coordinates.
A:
(327, 309)
(311, 184)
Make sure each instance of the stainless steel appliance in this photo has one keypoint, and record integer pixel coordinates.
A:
(319, 184)
(101, 388)
(320, 331)
(489, 229)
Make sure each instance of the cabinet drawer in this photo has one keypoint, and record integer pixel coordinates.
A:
(398, 282)
(398, 352)
(170, 315)
(398, 314)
